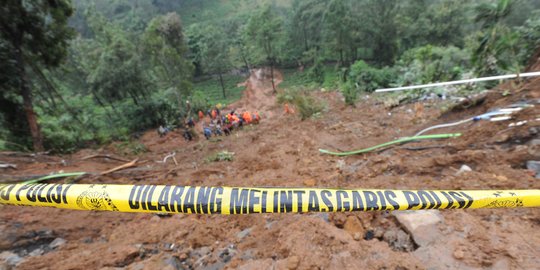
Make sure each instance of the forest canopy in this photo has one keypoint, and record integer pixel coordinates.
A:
(80, 73)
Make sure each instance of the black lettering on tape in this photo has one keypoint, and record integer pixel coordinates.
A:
(263, 201)
(382, 199)
(189, 201)
(133, 200)
(39, 193)
(471, 199)
(176, 199)
(424, 198)
(151, 206)
(299, 195)
(358, 204)
(18, 193)
(239, 201)
(313, 202)
(412, 199)
(458, 199)
(285, 201)
(325, 194)
(439, 203)
(203, 200)
(31, 193)
(64, 193)
(216, 199)
(5, 191)
(341, 204)
(371, 200)
(254, 199)
(449, 199)
(391, 198)
(163, 201)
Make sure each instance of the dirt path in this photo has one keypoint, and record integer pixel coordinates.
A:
(282, 151)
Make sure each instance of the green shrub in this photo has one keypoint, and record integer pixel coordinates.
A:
(306, 105)
(221, 156)
(428, 64)
(316, 72)
(350, 93)
(368, 79)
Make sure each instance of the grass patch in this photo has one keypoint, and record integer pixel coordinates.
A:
(221, 156)
(296, 78)
(211, 88)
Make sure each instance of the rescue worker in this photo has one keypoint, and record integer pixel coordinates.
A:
(201, 115)
(207, 132)
(161, 131)
(247, 117)
(256, 118)
(288, 110)
(187, 135)
(191, 123)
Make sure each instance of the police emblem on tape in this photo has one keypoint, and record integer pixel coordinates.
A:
(96, 199)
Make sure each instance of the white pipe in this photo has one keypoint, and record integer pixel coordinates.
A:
(492, 78)
(444, 125)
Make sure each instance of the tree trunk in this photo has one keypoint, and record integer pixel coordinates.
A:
(248, 67)
(341, 63)
(306, 47)
(31, 118)
(272, 75)
(222, 85)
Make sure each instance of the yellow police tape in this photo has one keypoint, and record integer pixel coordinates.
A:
(240, 200)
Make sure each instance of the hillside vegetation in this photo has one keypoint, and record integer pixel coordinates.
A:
(84, 73)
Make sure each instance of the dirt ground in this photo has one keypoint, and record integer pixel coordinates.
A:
(283, 151)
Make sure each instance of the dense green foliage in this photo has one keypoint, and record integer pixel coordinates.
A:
(96, 71)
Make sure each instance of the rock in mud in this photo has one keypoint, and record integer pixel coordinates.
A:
(36, 252)
(354, 227)
(241, 235)
(9, 259)
(173, 262)
(293, 262)
(534, 166)
(310, 182)
(58, 242)
(534, 148)
(464, 168)
(398, 239)
(421, 224)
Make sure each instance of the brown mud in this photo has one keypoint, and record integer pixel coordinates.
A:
(283, 151)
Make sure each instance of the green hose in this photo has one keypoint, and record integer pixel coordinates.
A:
(401, 140)
(53, 176)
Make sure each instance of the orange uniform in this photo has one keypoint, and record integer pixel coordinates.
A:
(288, 110)
(247, 117)
(201, 115)
(214, 114)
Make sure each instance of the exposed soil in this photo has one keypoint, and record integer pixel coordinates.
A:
(282, 151)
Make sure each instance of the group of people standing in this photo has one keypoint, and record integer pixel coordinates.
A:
(214, 123)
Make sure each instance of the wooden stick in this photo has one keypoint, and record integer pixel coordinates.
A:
(121, 167)
(104, 156)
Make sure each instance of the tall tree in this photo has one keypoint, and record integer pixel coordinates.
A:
(265, 28)
(34, 30)
(215, 53)
(164, 44)
(305, 27)
(380, 23)
(337, 24)
(497, 38)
